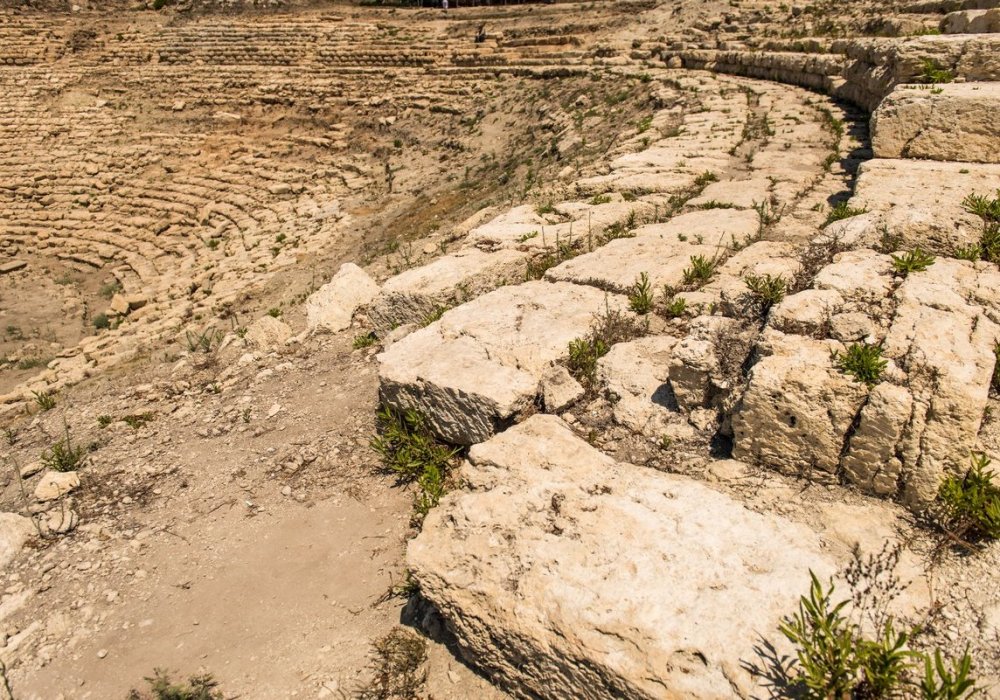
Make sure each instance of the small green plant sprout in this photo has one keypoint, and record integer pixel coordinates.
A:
(162, 687)
(365, 340)
(63, 456)
(433, 316)
(862, 361)
(105, 420)
(45, 400)
(543, 209)
(583, 356)
(765, 291)
(947, 681)
(410, 451)
(599, 199)
(842, 210)
(700, 271)
(274, 312)
(640, 297)
(971, 504)
(137, 420)
(914, 261)
(932, 72)
(705, 179)
(673, 306)
(203, 341)
(986, 208)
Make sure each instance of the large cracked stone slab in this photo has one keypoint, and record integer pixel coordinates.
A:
(413, 295)
(564, 574)
(956, 121)
(332, 307)
(472, 372)
(921, 201)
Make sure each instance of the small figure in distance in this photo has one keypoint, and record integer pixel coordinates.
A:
(444, 5)
(481, 33)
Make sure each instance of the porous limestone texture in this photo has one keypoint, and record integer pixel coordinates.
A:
(951, 122)
(332, 307)
(567, 575)
(474, 370)
(416, 294)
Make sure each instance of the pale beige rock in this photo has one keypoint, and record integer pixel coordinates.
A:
(695, 372)
(635, 375)
(921, 201)
(564, 574)
(971, 22)
(15, 531)
(807, 312)
(951, 122)
(332, 307)
(871, 461)
(414, 295)
(474, 370)
(267, 333)
(559, 389)
(54, 485)
(742, 194)
(797, 408)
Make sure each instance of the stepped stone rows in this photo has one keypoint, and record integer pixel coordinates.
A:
(564, 571)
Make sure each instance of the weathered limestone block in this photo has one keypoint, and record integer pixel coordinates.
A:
(559, 389)
(267, 333)
(797, 408)
(332, 307)
(619, 264)
(806, 313)
(55, 485)
(971, 22)
(564, 574)
(15, 530)
(871, 461)
(413, 295)
(474, 370)
(952, 122)
(742, 194)
(921, 201)
(636, 375)
(946, 346)
(695, 368)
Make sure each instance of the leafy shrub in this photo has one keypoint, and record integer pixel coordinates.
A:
(765, 290)
(864, 362)
(932, 72)
(640, 297)
(673, 306)
(835, 661)
(45, 400)
(987, 209)
(365, 340)
(161, 687)
(63, 456)
(137, 420)
(700, 271)
(583, 356)
(105, 420)
(410, 451)
(101, 322)
(914, 261)
(842, 210)
(971, 504)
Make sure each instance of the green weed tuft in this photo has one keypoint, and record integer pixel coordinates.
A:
(161, 687)
(971, 504)
(700, 271)
(765, 291)
(862, 361)
(914, 261)
(640, 297)
(932, 72)
(842, 210)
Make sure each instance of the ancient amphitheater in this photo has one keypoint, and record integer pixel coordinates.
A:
(648, 309)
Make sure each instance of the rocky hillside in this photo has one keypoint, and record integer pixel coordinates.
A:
(654, 309)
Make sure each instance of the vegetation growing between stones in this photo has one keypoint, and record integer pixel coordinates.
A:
(397, 667)
(915, 260)
(987, 209)
(45, 400)
(64, 456)
(699, 272)
(162, 687)
(862, 361)
(932, 72)
(410, 451)
(842, 210)
(612, 326)
(835, 660)
(970, 504)
(764, 291)
(640, 298)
